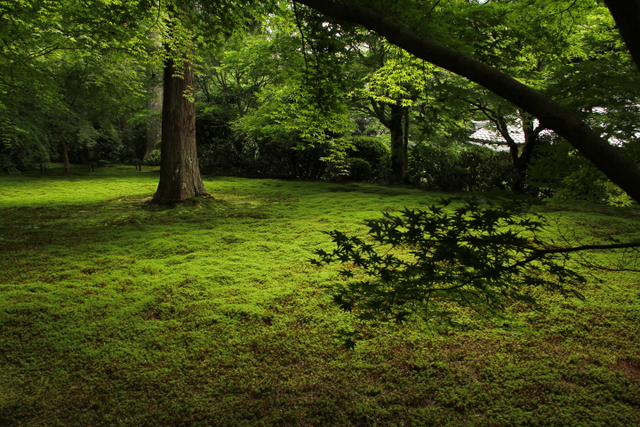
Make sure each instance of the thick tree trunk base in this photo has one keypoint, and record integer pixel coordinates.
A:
(179, 189)
(179, 169)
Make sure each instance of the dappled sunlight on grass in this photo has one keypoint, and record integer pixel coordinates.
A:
(78, 187)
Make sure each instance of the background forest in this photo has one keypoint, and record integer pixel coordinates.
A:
(286, 93)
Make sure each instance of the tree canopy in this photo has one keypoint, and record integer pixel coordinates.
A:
(398, 23)
(301, 81)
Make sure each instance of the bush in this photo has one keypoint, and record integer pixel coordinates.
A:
(486, 169)
(372, 150)
(109, 150)
(459, 167)
(231, 156)
(562, 174)
(359, 169)
(367, 159)
(262, 158)
(7, 164)
(153, 158)
(435, 167)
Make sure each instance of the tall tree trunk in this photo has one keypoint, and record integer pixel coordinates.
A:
(65, 154)
(522, 162)
(154, 103)
(405, 145)
(399, 132)
(626, 13)
(398, 164)
(531, 142)
(520, 155)
(179, 169)
(154, 122)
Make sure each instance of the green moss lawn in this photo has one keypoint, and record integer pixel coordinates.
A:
(114, 312)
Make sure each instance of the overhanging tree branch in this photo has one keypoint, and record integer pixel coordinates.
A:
(626, 13)
(475, 256)
(539, 253)
(618, 168)
(543, 252)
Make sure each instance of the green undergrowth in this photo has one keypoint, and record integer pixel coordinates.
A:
(116, 312)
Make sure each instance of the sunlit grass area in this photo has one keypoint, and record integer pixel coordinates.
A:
(117, 312)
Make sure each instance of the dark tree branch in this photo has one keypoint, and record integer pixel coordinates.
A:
(380, 113)
(589, 248)
(618, 168)
(539, 253)
(626, 13)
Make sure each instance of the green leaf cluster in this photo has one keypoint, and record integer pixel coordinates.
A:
(431, 262)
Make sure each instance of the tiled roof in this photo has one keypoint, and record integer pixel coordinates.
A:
(488, 136)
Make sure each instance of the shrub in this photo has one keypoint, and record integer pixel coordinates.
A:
(562, 174)
(153, 158)
(459, 167)
(486, 169)
(226, 155)
(436, 167)
(374, 151)
(359, 169)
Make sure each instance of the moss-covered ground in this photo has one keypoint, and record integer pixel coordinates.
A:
(114, 312)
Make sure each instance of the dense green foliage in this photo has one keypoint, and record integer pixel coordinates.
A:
(281, 91)
(460, 168)
(114, 312)
(479, 257)
(561, 173)
(70, 81)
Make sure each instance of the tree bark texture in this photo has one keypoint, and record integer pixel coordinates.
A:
(394, 122)
(179, 169)
(398, 152)
(154, 103)
(531, 142)
(619, 169)
(154, 122)
(65, 154)
(626, 13)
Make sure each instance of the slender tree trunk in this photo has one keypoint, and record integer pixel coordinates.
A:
(514, 150)
(154, 123)
(405, 145)
(398, 151)
(520, 155)
(522, 163)
(531, 141)
(154, 104)
(65, 154)
(179, 169)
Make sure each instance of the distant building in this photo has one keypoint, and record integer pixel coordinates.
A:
(491, 138)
